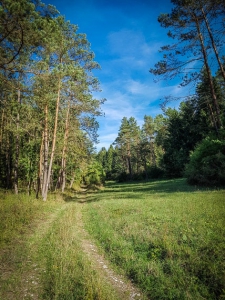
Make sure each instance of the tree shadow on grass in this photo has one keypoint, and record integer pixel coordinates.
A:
(157, 186)
(81, 197)
(135, 190)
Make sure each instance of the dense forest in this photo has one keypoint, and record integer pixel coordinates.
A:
(48, 113)
(47, 123)
(188, 141)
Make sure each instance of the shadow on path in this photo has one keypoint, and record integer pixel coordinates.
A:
(82, 196)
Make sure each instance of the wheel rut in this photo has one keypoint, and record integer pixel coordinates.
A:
(123, 287)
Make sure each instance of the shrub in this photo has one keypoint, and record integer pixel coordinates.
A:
(95, 174)
(207, 163)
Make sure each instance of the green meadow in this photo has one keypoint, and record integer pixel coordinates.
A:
(166, 237)
(40, 252)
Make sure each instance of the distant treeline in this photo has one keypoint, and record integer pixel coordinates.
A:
(188, 141)
(178, 142)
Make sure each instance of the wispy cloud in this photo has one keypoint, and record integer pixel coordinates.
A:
(126, 82)
(125, 37)
(134, 99)
(130, 43)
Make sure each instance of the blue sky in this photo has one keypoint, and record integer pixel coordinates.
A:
(125, 37)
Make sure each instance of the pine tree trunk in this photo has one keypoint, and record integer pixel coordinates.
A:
(53, 143)
(65, 149)
(72, 181)
(213, 121)
(17, 147)
(2, 128)
(45, 158)
(213, 44)
(40, 168)
(129, 161)
(9, 163)
(61, 182)
(212, 89)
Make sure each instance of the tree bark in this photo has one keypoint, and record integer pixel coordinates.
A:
(61, 182)
(213, 44)
(40, 168)
(17, 148)
(212, 89)
(129, 161)
(45, 158)
(9, 162)
(65, 148)
(53, 142)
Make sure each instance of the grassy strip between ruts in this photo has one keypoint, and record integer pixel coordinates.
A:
(41, 257)
(166, 236)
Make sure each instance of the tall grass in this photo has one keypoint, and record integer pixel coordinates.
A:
(166, 236)
(20, 216)
(41, 256)
(16, 215)
(68, 273)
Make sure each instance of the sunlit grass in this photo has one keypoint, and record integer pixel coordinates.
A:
(68, 273)
(41, 256)
(166, 236)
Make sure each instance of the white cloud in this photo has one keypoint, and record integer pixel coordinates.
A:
(130, 43)
(127, 84)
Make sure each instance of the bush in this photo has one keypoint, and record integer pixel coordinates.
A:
(95, 174)
(207, 163)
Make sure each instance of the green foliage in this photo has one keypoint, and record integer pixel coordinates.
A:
(207, 163)
(95, 174)
(38, 112)
(166, 236)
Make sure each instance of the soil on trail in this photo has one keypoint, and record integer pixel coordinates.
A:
(29, 285)
(124, 288)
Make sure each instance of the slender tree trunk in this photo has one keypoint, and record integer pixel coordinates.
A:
(212, 89)
(29, 186)
(9, 162)
(61, 182)
(213, 44)
(45, 158)
(72, 181)
(129, 161)
(213, 121)
(53, 142)
(65, 149)
(17, 150)
(2, 128)
(153, 157)
(40, 167)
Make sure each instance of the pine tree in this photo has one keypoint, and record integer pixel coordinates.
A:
(196, 38)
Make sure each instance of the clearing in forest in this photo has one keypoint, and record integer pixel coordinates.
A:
(164, 238)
